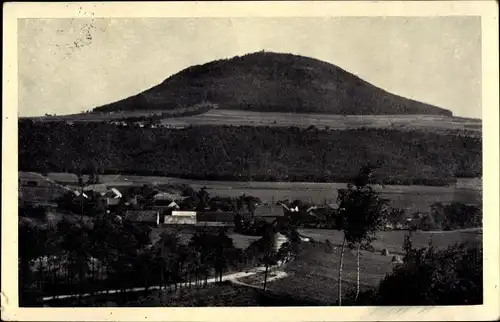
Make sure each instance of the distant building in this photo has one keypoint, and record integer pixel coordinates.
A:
(389, 226)
(145, 217)
(175, 126)
(318, 216)
(166, 196)
(112, 196)
(215, 218)
(269, 210)
(80, 195)
(177, 213)
(180, 220)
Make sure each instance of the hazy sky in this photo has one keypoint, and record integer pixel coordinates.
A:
(70, 65)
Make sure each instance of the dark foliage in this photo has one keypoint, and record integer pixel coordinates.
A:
(453, 216)
(436, 277)
(243, 153)
(272, 82)
(430, 276)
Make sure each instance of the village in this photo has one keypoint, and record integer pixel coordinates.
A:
(173, 207)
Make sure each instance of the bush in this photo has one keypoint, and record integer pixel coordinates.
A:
(435, 277)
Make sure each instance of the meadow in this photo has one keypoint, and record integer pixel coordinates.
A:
(333, 122)
(313, 275)
(434, 123)
(393, 240)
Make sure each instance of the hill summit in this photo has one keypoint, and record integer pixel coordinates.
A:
(272, 82)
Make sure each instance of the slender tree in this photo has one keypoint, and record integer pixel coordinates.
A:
(361, 215)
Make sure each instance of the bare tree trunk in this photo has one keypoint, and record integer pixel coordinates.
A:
(265, 276)
(340, 270)
(357, 271)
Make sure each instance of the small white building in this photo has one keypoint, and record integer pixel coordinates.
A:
(184, 213)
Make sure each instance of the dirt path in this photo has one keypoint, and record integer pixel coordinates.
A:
(227, 277)
(279, 275)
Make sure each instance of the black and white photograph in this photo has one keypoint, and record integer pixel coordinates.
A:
(251, 161)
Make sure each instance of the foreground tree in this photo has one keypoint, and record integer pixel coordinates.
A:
(361, 214)
(431, 276)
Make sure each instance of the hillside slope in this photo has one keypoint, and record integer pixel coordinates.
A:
(250, 153)
(272, 82)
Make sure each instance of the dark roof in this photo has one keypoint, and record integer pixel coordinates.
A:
(214, 224)
(142, 215)
(215, 216)
(269, 210)
(321, 213)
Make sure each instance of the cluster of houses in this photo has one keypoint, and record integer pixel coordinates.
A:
(148, 124)
(157, 208)
(173, 215)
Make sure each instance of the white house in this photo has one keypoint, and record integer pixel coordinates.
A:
(184, 213)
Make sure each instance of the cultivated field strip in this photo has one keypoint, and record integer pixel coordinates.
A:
(413, 198)
(435, 123)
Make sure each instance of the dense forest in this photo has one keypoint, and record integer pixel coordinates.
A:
(250, 153)
(272, 82)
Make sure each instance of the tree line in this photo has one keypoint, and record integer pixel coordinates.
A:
(250, 153)
(73, 257)
(429, 276)
(451, 276)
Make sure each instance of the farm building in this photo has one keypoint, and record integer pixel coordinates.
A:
(167, 209)
(318, 216)
(180, 220)
(166, 196)
(174, 126)
(113, 193)
(79, 195)
(145, 217)
(112, 197)
(177, 213)
(215, 218)
(269, 210)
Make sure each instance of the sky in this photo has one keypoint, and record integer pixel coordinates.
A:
(70, 65)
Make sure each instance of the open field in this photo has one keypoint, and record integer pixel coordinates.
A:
(314, 273)
(435, 123)
(393, 240)
(334, 122)
(185, 234)
(413, 198)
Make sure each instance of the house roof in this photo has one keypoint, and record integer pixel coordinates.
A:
(142, 215)
(215, 216)
(320, 212)
(78, 193)
(269, 210)
(173, 204)
(113, 193)
(161, 195)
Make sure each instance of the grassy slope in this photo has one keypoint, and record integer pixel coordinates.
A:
(272, 82)
(263, 153)
(314, 274)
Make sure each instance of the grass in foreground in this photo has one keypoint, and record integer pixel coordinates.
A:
(225, 294)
